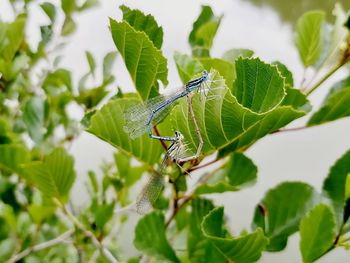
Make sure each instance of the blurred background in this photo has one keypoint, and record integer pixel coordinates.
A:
(265, 26)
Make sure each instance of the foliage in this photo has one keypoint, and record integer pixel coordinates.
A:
(247, 100)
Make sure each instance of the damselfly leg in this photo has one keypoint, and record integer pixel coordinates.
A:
(151, 191)
(197, 131)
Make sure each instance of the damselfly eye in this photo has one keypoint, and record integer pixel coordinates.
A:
(205, 75)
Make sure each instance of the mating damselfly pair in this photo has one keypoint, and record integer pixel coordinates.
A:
(141, 119)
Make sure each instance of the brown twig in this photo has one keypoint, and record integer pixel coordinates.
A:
(203, 165)
(161, 141)
(184, 201)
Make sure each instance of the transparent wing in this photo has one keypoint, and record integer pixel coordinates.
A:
(137, 116)
(150, 193)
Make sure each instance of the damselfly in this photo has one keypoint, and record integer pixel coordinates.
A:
(174, 153)
(155, 184)
(141, 118)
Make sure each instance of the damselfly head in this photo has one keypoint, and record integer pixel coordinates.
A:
(205, 75)
(178, 136)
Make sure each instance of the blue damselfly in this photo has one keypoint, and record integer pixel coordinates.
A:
(175, 153)
(142, 117)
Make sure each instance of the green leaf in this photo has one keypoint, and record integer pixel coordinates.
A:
(103, 214)
(285, 72)
(108, 62)
(50, 10)
(144, 61)
(40, 213)
(200, 52)
(12, 156)
(259, 86)
(250, 126)
(108, 124)
(270, 122)
(309, 36)
(12, 37)
(331, 51)
(222, 120)
(93, 181)
(347, 187)
(58, 81)
(150, 237)
(54, 176)
(130, 173)
(68, 6)
(187, 66)
(7, 248)
(233, 54)
(335, 106)
(335, 184)
(242, 249)
(199, 248)
(34, 118)
(204, 28)
(293, 106)
(92, 97)
(239, 171)
(141, 22)
(88, 4)
(11, 70)
(91, 61)
(297, 100)
(46, 34)
(317, 232)
(281, 210)
(69, 26)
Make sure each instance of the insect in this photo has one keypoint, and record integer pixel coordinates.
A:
(141, 118)
(174, 153)
(155, 184)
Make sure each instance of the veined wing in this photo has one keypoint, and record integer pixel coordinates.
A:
(150, 193)
(137, 116)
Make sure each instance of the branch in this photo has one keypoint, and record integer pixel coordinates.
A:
(319, 83)
(161, 141)
(204, 165)
(87, 233)
(185, 200)
(291, 129)
(189, 196)
(41, 246)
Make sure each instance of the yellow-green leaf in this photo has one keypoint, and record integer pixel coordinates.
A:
(145, 63)
(242, 249)
(317, 232)
(150, 237)
(309, 36)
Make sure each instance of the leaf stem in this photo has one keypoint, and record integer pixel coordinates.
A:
(302, 83)
(185, 200)
(203, 165)
(161, 141)
(189, 196)
(291, 129)
(320, 82)
(50, 243)
(87, 233)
